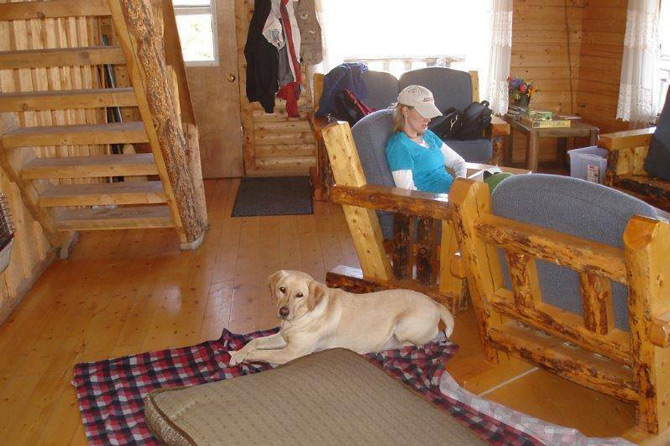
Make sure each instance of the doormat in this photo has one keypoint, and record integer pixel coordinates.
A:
(273, 196)
(110, 393)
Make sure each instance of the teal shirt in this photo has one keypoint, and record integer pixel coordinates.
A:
(426, 163)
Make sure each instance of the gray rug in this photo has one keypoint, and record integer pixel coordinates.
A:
(273, 196)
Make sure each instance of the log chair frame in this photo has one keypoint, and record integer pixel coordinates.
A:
(360, 201)
(627, 152)
(632, 366)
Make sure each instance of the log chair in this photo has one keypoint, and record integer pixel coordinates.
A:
(383, 89)
(627, 152)
(411, 257)
(629, 158)
(591, 348)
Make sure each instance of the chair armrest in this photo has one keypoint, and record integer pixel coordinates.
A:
(498, 127)
(393, 199)
(626, 140)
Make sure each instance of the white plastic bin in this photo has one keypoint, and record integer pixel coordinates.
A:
(588, 163)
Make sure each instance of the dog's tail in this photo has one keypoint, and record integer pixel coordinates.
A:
(447, 318)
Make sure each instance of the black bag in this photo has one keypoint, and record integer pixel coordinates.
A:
(476, 119)
(349, 108)
(447, 125)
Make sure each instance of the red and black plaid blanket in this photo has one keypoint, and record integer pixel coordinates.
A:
(111, 392)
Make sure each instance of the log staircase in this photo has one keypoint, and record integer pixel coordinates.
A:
(67, 189)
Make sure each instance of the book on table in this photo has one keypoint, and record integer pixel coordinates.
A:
(540, 124)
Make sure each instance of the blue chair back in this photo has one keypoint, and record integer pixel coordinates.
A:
(575, 207)
(451, 88)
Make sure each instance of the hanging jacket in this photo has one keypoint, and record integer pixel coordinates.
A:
(346, 76)
(262, 60)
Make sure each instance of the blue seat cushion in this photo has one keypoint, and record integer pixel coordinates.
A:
(473, 150)
(657, 163)
(370, 135)
(450, 88)
(575, 207)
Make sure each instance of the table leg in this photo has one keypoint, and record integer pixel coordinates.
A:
(561, 148)
(593, 136)
(532, 151)
(508, 156)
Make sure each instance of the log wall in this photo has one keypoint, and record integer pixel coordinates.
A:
(31, 251)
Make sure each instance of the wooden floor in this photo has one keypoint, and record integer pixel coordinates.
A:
(126, 292)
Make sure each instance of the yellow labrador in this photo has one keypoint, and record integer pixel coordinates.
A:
(315, 318)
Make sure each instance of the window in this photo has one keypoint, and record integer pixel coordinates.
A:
(664, 53)
(196, 23)
(397, 35)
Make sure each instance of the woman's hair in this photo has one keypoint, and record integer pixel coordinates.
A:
(398, 117)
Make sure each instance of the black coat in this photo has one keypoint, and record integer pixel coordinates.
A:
(262, 60)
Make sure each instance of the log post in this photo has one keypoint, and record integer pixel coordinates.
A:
(471, 200)
(363, 223)
(402, 245)
(426, 252)
(145, 60)
(646, 246)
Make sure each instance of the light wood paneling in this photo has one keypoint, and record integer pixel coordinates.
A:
(32, 250)
(546, 47)
(603, 30)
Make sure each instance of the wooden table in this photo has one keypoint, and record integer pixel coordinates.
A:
(565, 137)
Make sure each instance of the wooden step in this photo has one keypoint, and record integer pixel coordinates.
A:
(101, 194)
(112, 133)
(90, 166)
(125, 217)
(60, 57)
(62, 99)
(53, 9)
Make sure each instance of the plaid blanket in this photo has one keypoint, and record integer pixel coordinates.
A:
(111, 392)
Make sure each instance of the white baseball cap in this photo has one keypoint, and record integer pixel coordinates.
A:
(421, 99)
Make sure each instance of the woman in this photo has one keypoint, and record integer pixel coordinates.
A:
(417, 157)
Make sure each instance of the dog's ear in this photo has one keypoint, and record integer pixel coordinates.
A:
(273, 279)
(317, 292)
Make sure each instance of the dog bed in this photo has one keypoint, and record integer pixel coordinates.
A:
(333, 397)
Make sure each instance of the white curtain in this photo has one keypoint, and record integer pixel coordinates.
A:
(500, 55)
(638, 69)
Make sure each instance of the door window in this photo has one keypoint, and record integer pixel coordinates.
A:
(196, 23)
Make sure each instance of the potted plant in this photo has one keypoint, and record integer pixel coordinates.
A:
(520, 91)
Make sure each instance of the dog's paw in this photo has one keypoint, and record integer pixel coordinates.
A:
(237, 357)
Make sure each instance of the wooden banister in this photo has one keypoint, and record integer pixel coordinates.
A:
(144, 52)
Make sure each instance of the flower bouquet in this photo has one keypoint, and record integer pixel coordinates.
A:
(520, 91)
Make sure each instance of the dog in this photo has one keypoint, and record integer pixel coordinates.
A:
(314, 318)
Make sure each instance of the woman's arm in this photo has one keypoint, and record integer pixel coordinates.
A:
(454, 161)
(404, 179)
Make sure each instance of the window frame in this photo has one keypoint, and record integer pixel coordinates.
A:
(199, 10)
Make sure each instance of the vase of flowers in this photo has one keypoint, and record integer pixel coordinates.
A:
(520, 91)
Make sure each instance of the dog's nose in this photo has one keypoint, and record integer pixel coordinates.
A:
(283, 311)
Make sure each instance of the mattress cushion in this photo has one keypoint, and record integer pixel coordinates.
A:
(334, 397)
